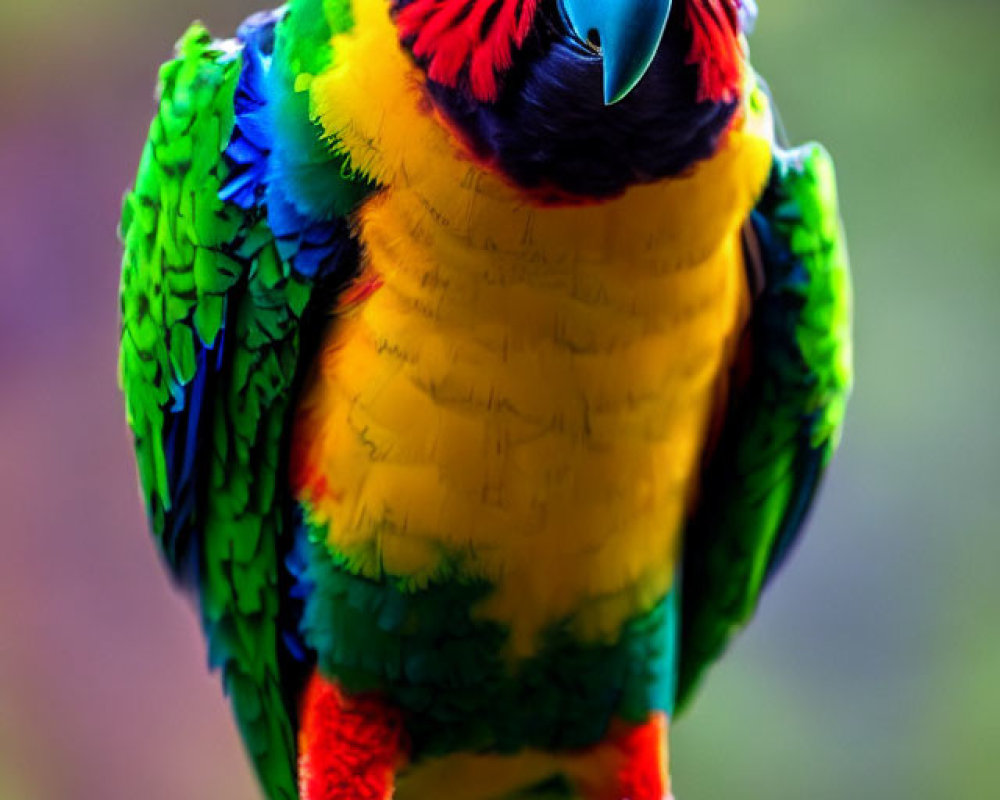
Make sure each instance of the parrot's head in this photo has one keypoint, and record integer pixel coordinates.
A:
(582, 96)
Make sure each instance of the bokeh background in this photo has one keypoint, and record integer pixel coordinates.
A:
(873, 668)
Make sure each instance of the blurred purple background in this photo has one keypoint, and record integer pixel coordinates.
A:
(872, 668)
(104, 693)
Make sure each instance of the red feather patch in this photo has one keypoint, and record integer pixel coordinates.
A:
(349, 747)
(638, 755)
(716, 49)
(470, 40)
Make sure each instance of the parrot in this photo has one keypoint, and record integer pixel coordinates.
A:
(482, 360)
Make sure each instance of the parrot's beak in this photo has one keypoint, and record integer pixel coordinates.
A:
(628, 33)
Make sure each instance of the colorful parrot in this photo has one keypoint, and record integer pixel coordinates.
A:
(482, 358)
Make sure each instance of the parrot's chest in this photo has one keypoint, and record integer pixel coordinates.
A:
(522, 396)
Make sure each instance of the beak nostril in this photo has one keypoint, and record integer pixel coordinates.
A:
(594, 39)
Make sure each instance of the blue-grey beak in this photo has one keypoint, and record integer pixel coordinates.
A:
(628, 33)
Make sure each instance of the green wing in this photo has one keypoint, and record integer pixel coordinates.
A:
(784, 419)
(223, 281)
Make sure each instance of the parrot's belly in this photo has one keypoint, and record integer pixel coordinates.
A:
(529, 417)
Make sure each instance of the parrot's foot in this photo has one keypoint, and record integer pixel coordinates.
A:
(350, 746)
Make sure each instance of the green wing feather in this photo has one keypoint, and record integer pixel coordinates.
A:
(783, 421)
(199, 276)
(215, 314)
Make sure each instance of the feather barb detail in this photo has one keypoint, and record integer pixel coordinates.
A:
(469, 41)
(716, 48)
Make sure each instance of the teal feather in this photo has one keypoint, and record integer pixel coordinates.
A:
(426, 650)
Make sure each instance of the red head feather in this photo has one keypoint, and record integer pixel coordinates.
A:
(716, 49)
(474, 38)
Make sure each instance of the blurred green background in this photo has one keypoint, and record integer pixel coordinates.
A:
(873, 668)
